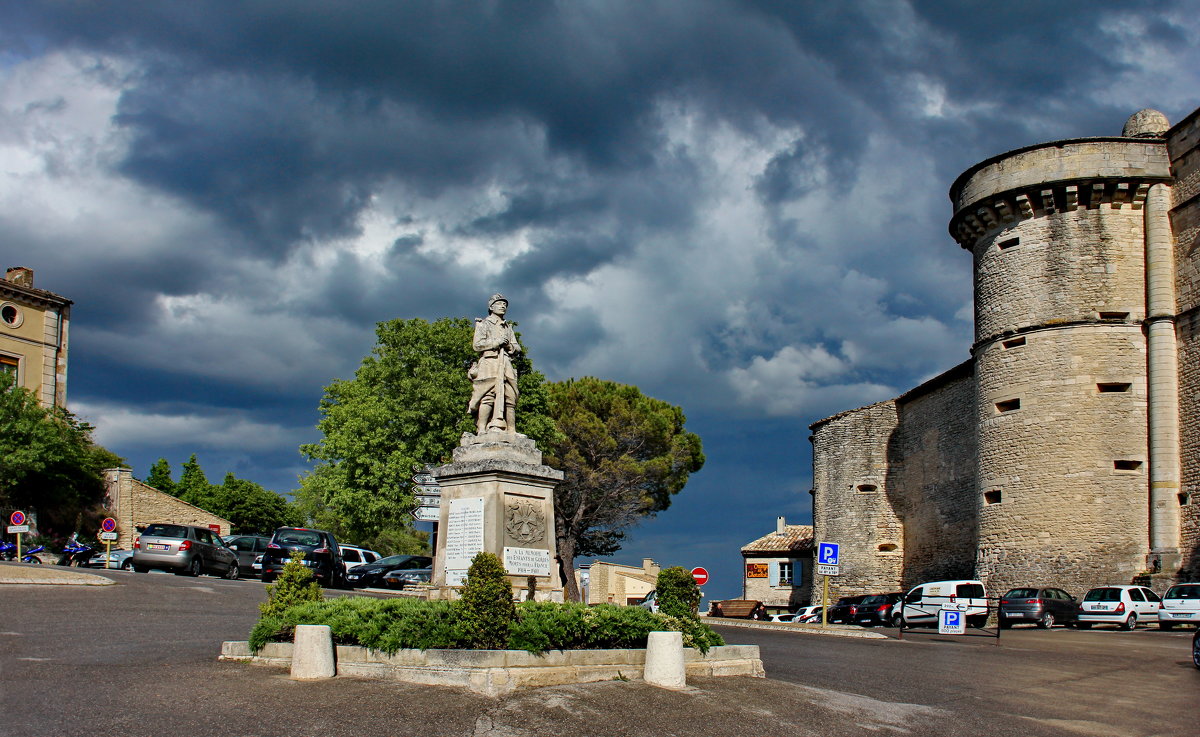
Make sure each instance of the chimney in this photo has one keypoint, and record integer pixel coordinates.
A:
(20, 276)
(779, 525)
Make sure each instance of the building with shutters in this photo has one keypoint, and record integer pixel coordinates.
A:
(33, 336)
(777, 567)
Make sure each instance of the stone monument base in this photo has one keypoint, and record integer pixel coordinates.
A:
(498, 497)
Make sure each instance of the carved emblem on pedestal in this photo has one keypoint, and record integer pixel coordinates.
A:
(525, 522)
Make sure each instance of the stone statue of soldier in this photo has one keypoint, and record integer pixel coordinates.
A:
(494, 398)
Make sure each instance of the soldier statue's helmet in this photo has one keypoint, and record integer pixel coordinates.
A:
(497, 298)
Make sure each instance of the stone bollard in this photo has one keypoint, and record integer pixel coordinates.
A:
(312, 653)
(664, 660)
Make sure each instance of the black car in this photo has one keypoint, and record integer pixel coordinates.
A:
(321, 554)
(1041, 606)
(402, 579)
(247, 548)
(844, 610)
(370, 575)
(879, 609)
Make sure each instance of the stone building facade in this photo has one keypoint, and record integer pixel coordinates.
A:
(1066, 449)
(613, 583)
(777, 567)
(135, 505)
(33, 336)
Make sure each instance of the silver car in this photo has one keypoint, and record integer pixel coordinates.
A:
(183, 550)
(119, 558)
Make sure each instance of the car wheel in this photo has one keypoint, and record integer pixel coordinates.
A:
(193, 569)
(35, 560)
(1005, 623)
(1130, 623)
(1166, 625)
(1196, 649)
(1046, 621)
(232, 573)
(126, 564)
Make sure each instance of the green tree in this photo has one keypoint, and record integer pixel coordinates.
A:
(49, 464)
(486, 610)
(405, 407)
(248, 506)
(677, 592)
(193, 486)
(624, 456)
(160, 477)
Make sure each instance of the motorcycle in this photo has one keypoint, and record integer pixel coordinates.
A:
(74, 553)
(8, 551)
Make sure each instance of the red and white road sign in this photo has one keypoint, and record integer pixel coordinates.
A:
(17, 518)
(701, 575)
(108, 525)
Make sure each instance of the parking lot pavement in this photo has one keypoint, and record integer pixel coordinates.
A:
(139, 658)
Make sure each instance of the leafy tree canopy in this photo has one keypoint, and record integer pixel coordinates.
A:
(405, 408)
(248, 506)
(48, 463)
(624, 456)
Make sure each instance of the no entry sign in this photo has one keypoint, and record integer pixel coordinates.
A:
(701, 575)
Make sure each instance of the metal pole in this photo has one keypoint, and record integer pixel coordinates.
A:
(825, 601)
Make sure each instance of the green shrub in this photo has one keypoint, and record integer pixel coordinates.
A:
(296, 585)
(695, 633)
(486, 609)
(678, 595)
(543, 625)
(383, 624)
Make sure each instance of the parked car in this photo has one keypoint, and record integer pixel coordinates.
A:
(1196, 648)
(370, 575)
(120, 558)
(879, 609)
(1180, 605)
(785, 617)
(843, 611)
(922, 603)
(354, 556)
(184, 550)
(808, 614)
(257, 567)
(404, 578)
(247, 548)
(1043, 607)
(1124, 606)
(321, 554)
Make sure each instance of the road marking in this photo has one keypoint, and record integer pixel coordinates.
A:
(36, 660)
(12, 634)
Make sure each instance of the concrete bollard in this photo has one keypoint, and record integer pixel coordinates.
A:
(664, 660)
(312, 653)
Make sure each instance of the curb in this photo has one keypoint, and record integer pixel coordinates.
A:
(44, 575)
(804, 629)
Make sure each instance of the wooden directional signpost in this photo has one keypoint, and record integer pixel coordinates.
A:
(429, 501)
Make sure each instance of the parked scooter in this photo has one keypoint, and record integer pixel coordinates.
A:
(74, 553)
(8, 551)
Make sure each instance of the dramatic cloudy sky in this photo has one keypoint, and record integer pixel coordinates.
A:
(738, 206)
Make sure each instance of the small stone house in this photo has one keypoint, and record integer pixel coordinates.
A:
(135, 505)
(613, 583)
(778, 567)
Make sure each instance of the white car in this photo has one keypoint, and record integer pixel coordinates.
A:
(356, 556)
(1180, 605)
(922, 603)
(1124, 606)
(807, 614)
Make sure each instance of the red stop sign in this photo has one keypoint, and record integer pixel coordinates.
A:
(701, 575)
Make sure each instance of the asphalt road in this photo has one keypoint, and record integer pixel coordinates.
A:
(139, 658)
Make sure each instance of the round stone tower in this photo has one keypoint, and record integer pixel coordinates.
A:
(1074, 328)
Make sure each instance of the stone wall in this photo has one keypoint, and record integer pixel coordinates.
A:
(134, 505)
(931, 482)
(852, 505)
(1183, 145)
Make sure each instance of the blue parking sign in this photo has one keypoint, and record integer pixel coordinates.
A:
(951, 622)
(827, 554)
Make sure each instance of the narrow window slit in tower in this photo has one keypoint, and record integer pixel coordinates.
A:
(992, 497)
(1008, 405)
(1014, 343)
(1114, 387)
(867, 487)
(887, 548)
(1008, 243)
(1127, 465)
(1114, 315)
(1184, 498)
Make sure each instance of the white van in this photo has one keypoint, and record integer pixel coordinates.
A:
(922, 603)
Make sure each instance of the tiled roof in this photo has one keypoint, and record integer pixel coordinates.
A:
(794, 539)
(32, 293)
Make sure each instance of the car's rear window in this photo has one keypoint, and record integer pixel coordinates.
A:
(1184, 591)
(1022, 594)
(970, 590)
(876, 599)
(298, 537)
(177, 531)
(1103, 595)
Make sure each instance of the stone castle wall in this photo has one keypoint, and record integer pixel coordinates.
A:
(851, 501)
(931, 480)
(1183, 146)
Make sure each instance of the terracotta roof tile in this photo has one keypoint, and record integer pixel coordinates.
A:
(795, 538)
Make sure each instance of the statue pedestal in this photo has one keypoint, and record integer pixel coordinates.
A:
(498, 497)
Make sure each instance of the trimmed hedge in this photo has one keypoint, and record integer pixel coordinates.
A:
(395, 624)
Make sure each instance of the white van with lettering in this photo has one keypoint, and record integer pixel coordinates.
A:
(922, 603)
